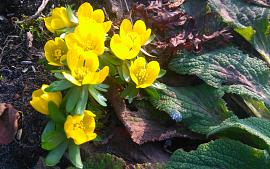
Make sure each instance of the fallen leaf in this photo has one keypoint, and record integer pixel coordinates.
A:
(8, 123)
(141, 123)
(122, 146)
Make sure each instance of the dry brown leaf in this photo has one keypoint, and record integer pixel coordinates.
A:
(8, 123)
(142, 126)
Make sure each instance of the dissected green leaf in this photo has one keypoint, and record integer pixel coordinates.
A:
(55, 114)
(56, 154)
(200, 106)
(253, 131)
(58, 86)
(73, 98)
(228, 69)
(220, 154)
(74, 155)
(52, 136)
(97, 95)
(239, 13)
(82, 102)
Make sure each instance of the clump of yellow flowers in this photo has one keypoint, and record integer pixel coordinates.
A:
(81, 63)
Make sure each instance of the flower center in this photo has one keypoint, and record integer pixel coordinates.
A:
(142, 75)
(89, 45)
(78, 126)
(133, 36)
(57, 54)
(81, 72)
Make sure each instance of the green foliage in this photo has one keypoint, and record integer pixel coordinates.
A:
(228, 69)
(103, 161)
(52, 136)
(200, 106)
(82, 101)
(257, 107)
(59, 86)
(258, 37)
(219, 154)
(55, 114)
(252, 131)
(56, 154)
(74, 154)
(238, 13)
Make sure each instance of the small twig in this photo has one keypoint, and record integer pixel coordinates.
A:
(40, 9)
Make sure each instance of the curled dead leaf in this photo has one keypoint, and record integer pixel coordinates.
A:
(8, 123)
(141, 124)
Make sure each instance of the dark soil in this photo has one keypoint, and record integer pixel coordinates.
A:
(20, 75)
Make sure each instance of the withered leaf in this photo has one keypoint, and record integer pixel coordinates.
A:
(8, 123)
(142, 125)
(122, 146)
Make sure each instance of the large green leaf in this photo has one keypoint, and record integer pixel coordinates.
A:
(239, 13)
(257, 107)
(229, 69)
(259, 37)
(220, 154)
(103, 161)
(253, 131)
(199, 106)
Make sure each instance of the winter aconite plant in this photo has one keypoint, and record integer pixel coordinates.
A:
(81, 63)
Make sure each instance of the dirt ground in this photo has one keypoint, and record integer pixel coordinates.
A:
(20, 74)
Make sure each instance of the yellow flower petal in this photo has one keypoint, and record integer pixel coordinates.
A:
(96, 77)
(40, 99)
(107, 26)
(142, 74)
(85, 10)
(70, 78)
(139, 27)
(58, 20)
(80, 127)
(98, 16)
(125, 27)
(39, 105)
(145, 37)
(91, 61)
(54, 50)
(121, 49)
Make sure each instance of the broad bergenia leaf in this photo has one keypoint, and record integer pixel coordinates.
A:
(239, 13)
(101, 160)
(228, 69)
(220, 154)
(200, 107)
(258, 37)
(253, 131)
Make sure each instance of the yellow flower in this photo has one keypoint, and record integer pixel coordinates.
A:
(81, 127)
(127, 44)
(83, 66)
(55, 51)
(143, 74)
(87, 14)
(58, 20)
(40, 99)
(89, 37)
